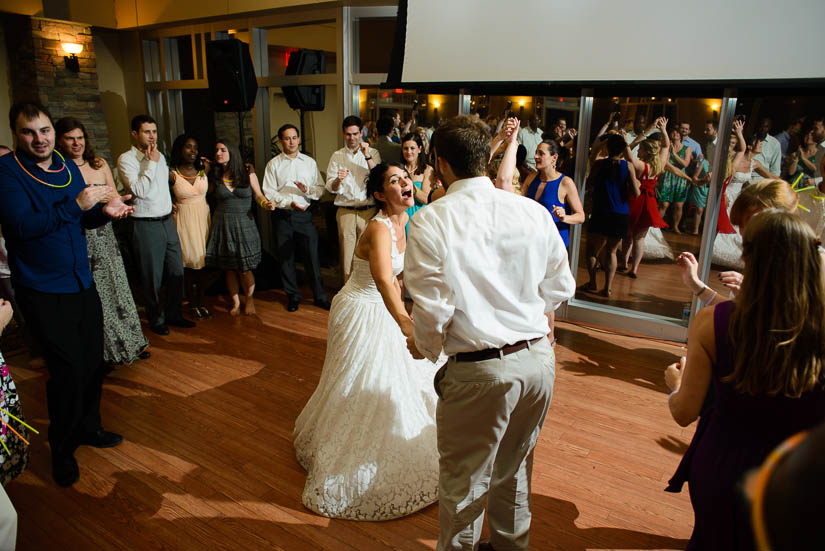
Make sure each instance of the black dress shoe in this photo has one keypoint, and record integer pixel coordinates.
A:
(323, 304)
(160, 329)
(292, 305)
(101, 439)
(485, 545)
(145, 355)
(181, 322)
(65, 471)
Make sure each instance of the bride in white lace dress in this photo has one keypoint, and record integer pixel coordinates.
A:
(727, 247)
(367, 436)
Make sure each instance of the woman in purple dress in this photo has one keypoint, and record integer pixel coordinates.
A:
(764, 354)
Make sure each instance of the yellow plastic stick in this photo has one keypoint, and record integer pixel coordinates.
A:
(5, 446)
(797, 179)
(31, 428)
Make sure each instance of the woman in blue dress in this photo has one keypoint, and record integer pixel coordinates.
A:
(415, 161)
(554, 190)
(557, 193)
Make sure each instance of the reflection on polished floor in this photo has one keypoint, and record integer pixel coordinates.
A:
(658, 289)
(208, 461)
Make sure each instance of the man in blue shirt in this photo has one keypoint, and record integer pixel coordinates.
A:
(45, 209)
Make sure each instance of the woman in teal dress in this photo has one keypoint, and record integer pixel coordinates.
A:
(674, 184)
(415, 161)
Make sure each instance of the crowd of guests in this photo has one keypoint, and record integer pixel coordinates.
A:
(753, 374)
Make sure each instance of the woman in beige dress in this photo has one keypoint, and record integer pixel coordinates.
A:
(187, 178)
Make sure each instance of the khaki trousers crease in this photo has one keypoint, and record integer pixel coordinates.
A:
(351, 224)
(489, 417)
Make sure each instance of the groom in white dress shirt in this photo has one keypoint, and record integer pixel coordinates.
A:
(483, 266)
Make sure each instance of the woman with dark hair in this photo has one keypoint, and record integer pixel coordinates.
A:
(187, 178)
(415, 161)
(554, 190)
(123, 339)
(764, 354)
(234, 242)
(367, 435)
(674, 184)
(613, 182)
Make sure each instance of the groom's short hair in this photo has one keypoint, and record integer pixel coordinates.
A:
(464, 142)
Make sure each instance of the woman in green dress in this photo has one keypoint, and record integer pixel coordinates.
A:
(674, 184)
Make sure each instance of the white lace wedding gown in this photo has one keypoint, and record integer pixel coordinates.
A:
(656, 246)
(727, 247)
(367, 436)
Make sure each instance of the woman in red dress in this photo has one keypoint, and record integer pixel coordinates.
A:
(644, 211)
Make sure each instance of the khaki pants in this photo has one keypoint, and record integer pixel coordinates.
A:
(351, 224)
(489, 418)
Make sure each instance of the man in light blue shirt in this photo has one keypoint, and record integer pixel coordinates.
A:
(771, 154)
(684, 130)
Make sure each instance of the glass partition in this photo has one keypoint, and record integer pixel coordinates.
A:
(645, 201)
(779, 136)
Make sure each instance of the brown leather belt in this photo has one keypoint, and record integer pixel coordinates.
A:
(490, 353)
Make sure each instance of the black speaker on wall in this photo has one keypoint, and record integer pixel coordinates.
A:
(232, 83)
(306, 98)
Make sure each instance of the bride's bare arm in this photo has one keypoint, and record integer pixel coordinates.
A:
(380, 257)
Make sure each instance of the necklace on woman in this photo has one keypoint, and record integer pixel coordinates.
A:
(84, 163)
(47, 170)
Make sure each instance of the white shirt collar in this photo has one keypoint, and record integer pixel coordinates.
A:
(468, 183)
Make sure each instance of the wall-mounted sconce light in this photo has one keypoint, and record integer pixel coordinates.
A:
(72, 63)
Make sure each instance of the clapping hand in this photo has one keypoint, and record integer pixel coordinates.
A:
(91, 196)
(301, 186)
(116, 208)
(342, 174)
(572, 133)
(673, 374)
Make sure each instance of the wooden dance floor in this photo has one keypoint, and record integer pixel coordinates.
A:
(208, 461)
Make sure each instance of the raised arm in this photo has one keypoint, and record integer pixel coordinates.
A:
(741, 146)
(504, 176)
(379, 238)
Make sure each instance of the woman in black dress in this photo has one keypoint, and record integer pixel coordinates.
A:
(234, 242)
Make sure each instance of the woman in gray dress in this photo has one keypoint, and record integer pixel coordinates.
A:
(123, 339)
(234, 242)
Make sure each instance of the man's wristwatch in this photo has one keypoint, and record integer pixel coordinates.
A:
(367, 158)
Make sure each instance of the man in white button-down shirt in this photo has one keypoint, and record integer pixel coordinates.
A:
(292, 180)
(144, 174)
(346, 177)
(483, 266)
